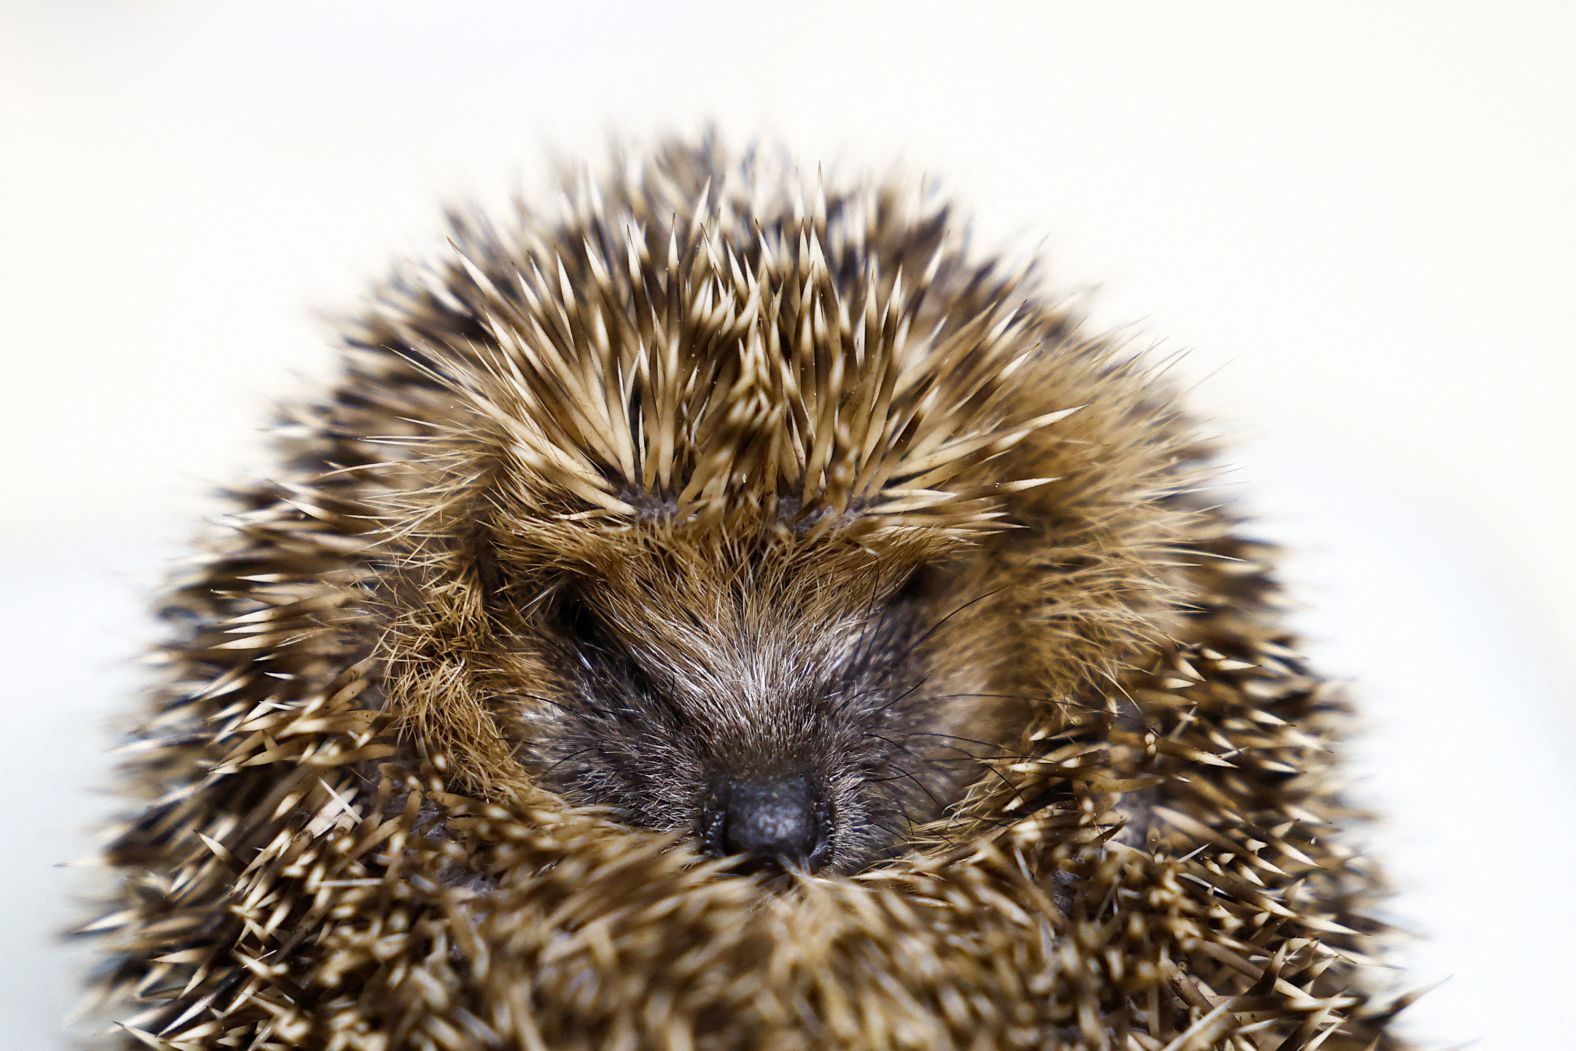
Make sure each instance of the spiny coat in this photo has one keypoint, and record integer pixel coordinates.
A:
(344, 843)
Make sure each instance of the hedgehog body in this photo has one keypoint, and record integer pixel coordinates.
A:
(716, 516)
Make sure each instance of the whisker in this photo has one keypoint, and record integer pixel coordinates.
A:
(867, 634)
(560, 705)
(556, 764)
(957, 737)
(905, 695)
(941, 810)
(902, 812)
(1026, 697)
(1004, 779)
(941, 622)
(909, 774)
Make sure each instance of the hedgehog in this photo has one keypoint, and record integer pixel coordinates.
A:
(730, 612)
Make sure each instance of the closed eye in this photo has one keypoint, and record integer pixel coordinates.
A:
(920, 584)
(578, 623)
(598, 650)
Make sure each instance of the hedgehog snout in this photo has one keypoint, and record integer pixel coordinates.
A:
(774, 823)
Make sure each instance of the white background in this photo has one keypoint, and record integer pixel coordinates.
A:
(1360, 219)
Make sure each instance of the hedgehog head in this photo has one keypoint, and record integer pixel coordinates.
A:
(731, 513)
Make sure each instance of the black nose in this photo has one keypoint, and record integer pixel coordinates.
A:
(771, 821)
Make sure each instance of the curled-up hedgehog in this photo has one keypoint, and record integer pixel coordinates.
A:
(730, 614)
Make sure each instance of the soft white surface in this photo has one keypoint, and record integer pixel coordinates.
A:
(1360, 217)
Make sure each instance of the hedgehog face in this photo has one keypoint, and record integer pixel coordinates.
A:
(803, 703)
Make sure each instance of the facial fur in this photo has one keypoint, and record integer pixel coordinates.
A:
(685, 667)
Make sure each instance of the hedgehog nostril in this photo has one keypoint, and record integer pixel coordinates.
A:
(772, 821)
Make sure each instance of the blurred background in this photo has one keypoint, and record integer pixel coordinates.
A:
(1359, 220)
